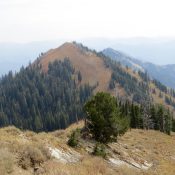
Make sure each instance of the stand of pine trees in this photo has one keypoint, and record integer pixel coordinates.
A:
(147, 117)
(32, 99)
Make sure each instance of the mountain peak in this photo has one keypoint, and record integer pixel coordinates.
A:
(84, 60)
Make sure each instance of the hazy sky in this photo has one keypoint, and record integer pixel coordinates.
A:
(35, 20)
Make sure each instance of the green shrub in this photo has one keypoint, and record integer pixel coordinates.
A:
(74, 138)
(123, 125)
(100, 150)
(104, 119)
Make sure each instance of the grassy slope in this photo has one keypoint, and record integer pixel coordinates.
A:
(90, 66)
(138, 145)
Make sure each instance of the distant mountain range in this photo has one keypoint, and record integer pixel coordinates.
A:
(164, 74)
(14, 55)
(160, 51)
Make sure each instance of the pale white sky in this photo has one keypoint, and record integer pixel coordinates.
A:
(36, 20)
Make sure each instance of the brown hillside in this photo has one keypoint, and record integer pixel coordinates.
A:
(91, 67)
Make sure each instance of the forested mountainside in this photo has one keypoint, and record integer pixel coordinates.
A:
(34, 100)
(137, 85)
(50, 93)
(165, 74)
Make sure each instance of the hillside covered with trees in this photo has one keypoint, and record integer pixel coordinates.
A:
(50, 93)
(32, 99)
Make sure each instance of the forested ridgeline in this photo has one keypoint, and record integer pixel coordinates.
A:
(137, 90)
(41, 101)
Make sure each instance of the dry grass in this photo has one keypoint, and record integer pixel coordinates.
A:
(88, 166)
(91, 67)
(21, 152)
(33, 156)
(7, 162)
(154, 147)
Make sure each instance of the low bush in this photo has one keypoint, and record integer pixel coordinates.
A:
(74, 138)
(100, 150)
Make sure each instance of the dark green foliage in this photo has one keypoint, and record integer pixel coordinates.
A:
(136, 119)
(173, 125)
(160, 86)
(160, 95)
(148, 117)
(32, 99)
(168, 100)
(79, 76)
(144, 115)
(139, 90)
(123, 125)
(100, 150)
(168, 122)
(144, 76)
(74, 138)
(3, 119)
(111, 84)
(104, 119)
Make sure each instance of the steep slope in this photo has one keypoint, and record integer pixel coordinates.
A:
(39, 101)
(88, 63)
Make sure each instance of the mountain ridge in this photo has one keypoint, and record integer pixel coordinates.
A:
(163, 73)
(99, 73)
(91, 67)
